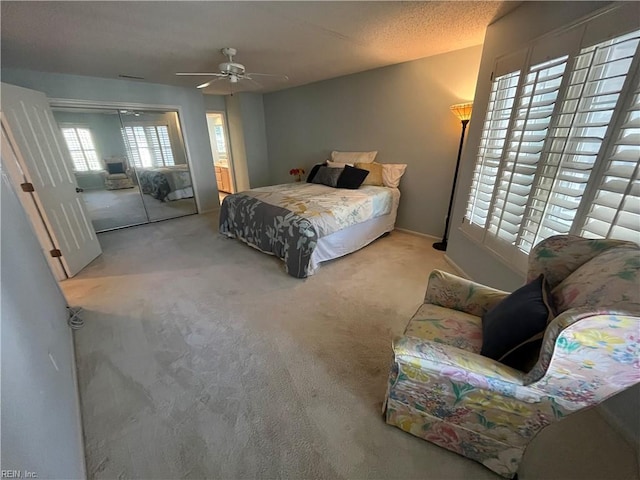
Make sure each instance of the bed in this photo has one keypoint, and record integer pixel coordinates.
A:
(305, 224)
(166, 183)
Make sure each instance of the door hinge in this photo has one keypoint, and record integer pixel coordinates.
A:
(491, 78)
(27, 187)
(55, 253)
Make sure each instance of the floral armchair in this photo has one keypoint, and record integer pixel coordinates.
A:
(442, 390)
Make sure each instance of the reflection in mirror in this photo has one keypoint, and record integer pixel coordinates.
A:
(99, 155)
(131, 165)
(157, 155)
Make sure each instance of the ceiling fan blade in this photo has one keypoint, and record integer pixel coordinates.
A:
(206, 84)
(276, 75)
(200, 74)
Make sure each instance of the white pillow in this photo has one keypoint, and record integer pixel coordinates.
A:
(392, 173)
(331, 164)
(353, 157)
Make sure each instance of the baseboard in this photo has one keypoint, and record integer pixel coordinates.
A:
(457, 268)
(615, 424)
(419, 234)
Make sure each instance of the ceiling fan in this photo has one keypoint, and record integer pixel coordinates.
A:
(231, 71)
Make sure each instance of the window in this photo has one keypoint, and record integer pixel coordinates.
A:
(82, 149)
(560, 150)
(148, 146)
(220, 141)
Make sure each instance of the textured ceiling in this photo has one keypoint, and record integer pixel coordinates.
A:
(308, 41)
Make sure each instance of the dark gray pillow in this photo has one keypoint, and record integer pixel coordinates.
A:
(517, 321)
(328, 176)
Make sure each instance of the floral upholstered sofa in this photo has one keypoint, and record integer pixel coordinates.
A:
(442, 390)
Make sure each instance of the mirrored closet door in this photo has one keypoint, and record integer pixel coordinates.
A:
(130, 164)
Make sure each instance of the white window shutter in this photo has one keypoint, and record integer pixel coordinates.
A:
(492, 144)
(534, 110)
(575, 142)
(615, 210)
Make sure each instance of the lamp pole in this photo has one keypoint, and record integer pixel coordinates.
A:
(443, 244)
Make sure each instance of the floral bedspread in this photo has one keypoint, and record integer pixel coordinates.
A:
(287, 220)
(159, 182)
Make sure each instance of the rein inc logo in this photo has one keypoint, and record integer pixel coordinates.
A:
(17, 474)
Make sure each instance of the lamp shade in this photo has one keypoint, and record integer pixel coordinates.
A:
(462, 110)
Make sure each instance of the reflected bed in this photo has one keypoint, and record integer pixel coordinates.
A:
(166, 183)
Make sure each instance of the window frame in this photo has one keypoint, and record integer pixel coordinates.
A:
(569, 41)
(163, 153)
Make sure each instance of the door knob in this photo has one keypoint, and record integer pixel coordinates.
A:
(79, 190)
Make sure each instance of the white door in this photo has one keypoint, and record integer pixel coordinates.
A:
(44, 159)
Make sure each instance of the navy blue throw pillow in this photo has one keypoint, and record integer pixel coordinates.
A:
(114, 168)
(352, 177)
(517, 321)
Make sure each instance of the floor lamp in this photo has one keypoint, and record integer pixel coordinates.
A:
(463, 112)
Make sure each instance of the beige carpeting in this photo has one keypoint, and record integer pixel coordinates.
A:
(201, 358)
(120, 208)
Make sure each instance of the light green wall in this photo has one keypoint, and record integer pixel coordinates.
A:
(402, 111)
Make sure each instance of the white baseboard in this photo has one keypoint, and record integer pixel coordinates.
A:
(457, 268)
(420, 234)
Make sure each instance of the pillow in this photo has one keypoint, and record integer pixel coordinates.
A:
(608, 280)
(518, 320)
(313, 172)
(331, 164)
(392, 173)
(353, 157)
(114, 168)
(327, 176)
(352, 177)
(375, 173)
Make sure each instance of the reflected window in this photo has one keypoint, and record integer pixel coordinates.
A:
(148, 146)
(82, 149)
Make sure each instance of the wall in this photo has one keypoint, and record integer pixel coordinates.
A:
(105, 127)
(95, 89)
(255, 138)
(511, 32)
(402, 111)
(41, 429)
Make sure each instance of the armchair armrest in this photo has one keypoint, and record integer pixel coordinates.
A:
(451, 291)
(450, 361)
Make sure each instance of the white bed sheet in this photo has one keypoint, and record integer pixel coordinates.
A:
(355, 237)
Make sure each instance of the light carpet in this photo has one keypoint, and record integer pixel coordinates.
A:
(120, 208)
(201, 358)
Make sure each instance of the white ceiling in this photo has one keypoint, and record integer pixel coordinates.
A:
(308, 41)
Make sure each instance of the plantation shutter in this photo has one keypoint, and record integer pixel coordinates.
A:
(132, 146)
(575, 142)
(165, 145)
(492, 143)
(615, 210)
(534, 110)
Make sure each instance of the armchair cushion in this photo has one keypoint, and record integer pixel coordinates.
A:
(443, 325)
(519, 319)
(609, 279)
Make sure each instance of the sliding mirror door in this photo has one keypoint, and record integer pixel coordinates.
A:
(131, 165)
(157, 155)
(101, 167)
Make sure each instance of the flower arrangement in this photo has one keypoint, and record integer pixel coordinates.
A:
(297, 172)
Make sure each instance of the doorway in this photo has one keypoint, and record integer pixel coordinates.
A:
(222, 161)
